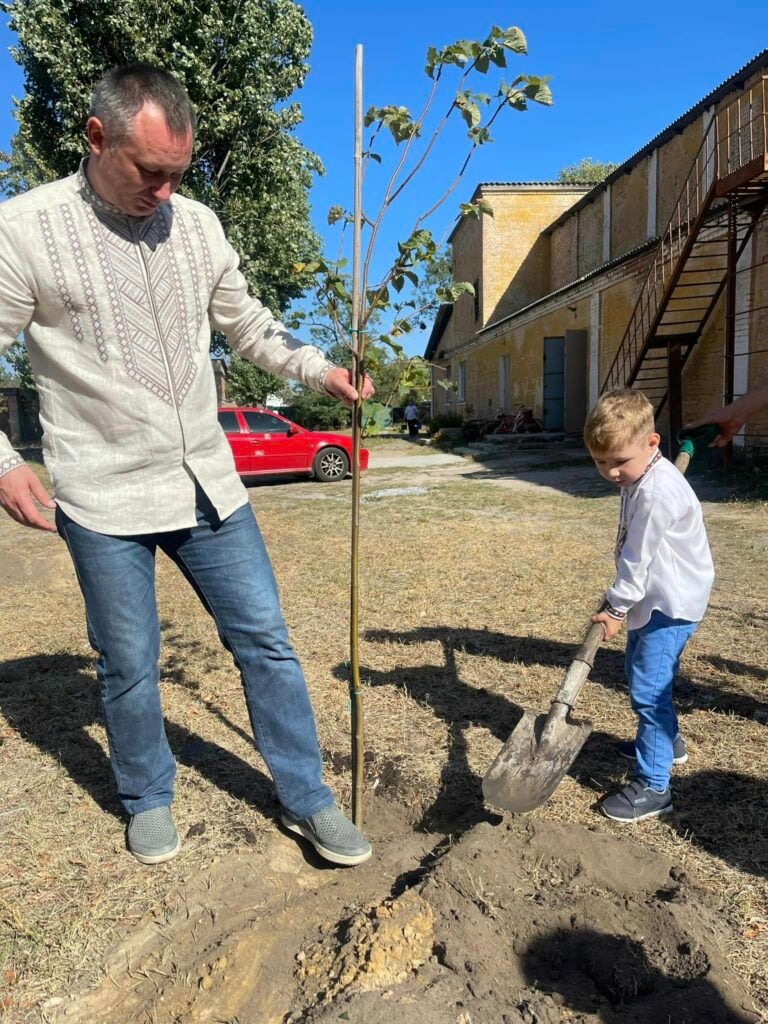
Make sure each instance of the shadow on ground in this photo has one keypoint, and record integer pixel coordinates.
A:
(722, 812)
(51, 701)
(612, 976)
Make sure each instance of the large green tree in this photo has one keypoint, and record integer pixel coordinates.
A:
(586, 172)
(240, 60)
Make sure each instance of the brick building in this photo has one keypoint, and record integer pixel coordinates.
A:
(657, 278)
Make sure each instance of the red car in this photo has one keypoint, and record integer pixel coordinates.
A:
(263, 442)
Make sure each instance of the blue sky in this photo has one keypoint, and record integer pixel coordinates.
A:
(620, 73)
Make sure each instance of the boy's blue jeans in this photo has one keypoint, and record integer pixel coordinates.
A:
(652, 659)
(227, 565)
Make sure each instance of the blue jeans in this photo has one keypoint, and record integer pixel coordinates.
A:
(227, 565)
(652, 659)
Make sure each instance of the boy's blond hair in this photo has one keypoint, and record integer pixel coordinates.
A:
(619, 418)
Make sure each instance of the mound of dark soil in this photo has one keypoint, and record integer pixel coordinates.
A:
(520, 922)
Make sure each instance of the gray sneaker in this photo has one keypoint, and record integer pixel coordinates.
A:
(679, 752)
(333, 836)
(636, 802)
(152, 836)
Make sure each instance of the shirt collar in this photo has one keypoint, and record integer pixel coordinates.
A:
(654, 460)
(92, 197)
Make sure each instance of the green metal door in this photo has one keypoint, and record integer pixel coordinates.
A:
(554, 383)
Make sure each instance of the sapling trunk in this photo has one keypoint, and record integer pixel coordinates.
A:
(358, 373)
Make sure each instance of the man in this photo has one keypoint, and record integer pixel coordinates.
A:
(116, 280)
(411, 415)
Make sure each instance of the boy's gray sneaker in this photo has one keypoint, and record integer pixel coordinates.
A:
(679, 752)
(152, 836)
(636, 802)
(333, 836)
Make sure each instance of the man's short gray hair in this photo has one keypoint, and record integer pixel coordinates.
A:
(121, 93)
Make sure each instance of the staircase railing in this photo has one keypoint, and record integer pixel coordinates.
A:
(740, 130)
(735, 136)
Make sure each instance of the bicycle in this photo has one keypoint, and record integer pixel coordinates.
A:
(521, 422)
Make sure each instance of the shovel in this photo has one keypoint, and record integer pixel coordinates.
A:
(541, 748)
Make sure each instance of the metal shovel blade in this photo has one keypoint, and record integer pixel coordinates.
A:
(530, 765)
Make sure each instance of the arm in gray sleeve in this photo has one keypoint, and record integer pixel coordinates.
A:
(17, 305)
(256, 335)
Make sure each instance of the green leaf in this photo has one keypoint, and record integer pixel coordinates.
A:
(479, 136)
(453, 291)
(376, 416)
(476, 209)
(392, 345)
(498, 57)
(335, 213)
(372, 156)
(514, 40)
(538, 89)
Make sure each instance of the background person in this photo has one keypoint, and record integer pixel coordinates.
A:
(412, 415)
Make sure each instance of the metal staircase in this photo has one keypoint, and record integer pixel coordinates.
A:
(719, 205)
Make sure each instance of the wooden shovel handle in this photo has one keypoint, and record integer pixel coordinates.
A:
(580, 667)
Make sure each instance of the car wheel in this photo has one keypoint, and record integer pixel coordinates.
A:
(330, 464)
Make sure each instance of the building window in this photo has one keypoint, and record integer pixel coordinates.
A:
(449, 389)
(461, 393)
(476, 297)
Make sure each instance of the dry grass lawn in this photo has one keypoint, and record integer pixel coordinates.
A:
(475, 596)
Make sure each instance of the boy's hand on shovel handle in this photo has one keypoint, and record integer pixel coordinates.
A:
(610, 625)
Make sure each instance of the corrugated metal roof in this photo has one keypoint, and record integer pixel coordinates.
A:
(532, 184)
(677, 126)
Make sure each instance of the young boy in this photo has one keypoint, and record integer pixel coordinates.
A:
(664, 574)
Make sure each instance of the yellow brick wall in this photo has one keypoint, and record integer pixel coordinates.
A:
(758, 336)
(467, 266)
(616, 305)
(675, 161)
(525, 347)
(515, 253)
(590, 249)
(563, 253)
(703, 373)
(629, 210)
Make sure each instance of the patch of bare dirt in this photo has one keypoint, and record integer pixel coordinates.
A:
(522, 922)
(475, 598)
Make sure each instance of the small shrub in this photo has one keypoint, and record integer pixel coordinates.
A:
(445, 419)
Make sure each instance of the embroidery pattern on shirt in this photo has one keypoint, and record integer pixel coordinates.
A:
(207, 261)
(58, 274)
(135, 324)
(168, 290)
(85, 280)
(621, 534)
(193, 268)
(9, 463)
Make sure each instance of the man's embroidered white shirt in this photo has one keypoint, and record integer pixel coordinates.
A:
(116, 313)
(663, 561)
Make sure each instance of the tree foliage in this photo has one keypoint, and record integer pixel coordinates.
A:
(586, 172)
(247, 384)
(317, 412)
(240, 60)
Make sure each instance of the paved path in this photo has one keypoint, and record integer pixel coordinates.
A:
(377, 461)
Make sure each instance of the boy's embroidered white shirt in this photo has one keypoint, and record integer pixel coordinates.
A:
(663, 561)
(116, 313)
